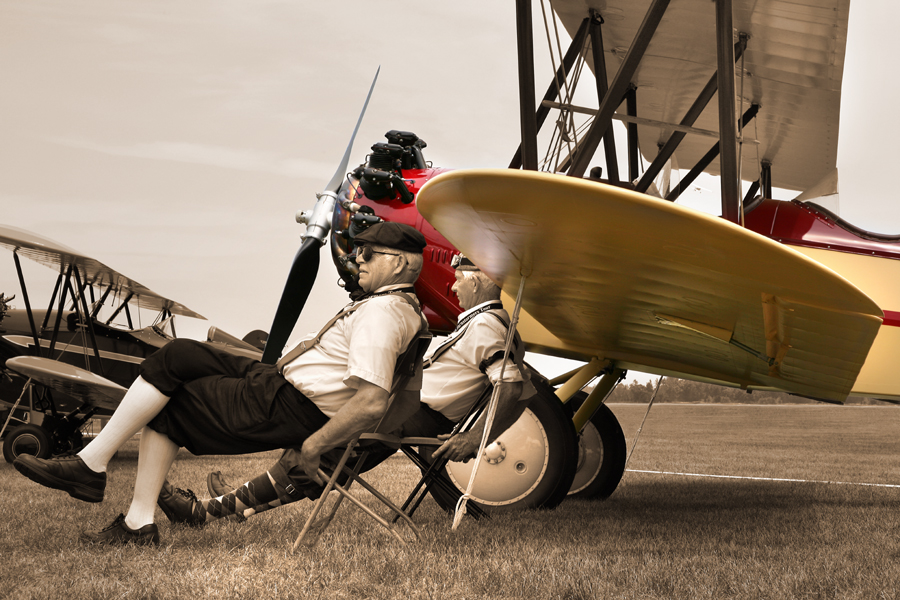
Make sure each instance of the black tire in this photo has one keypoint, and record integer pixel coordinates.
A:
(522, 479)
(26, 439)
(601, 455)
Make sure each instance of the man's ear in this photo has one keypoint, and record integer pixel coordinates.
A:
(402, 264)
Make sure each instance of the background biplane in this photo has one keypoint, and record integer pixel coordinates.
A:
(660, 59)
(88, 324)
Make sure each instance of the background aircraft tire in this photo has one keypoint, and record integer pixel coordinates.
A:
(601, 455)
(533, 475)
(26, 439)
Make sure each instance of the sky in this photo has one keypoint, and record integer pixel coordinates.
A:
(175, 141)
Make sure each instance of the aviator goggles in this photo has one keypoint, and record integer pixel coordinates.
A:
(366, 252)
(460, 261)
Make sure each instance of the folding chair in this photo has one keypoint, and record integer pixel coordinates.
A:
(433, 470)
(394, 415)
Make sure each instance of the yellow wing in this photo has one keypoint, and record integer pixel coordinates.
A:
(655, 286)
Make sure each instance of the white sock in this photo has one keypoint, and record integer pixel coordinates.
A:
(140, 404)
(156, 455)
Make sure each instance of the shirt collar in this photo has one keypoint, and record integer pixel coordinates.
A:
(463, 315)
(394, 286)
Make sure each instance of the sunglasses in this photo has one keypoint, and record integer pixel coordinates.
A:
(366, 252)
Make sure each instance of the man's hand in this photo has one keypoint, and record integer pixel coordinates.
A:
(459, 447)
(309, 462)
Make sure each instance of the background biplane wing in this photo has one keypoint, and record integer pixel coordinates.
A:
(654, 286)
(792, 68)
(59, 257)
(90, 388)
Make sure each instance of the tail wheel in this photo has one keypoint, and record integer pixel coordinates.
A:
(601, 456)
(26, 439)
(531, 465)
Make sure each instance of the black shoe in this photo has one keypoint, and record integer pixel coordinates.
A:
(217, 486)
(178, 504)
(66, 473)
(119, 534)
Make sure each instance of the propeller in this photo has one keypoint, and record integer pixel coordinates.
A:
(306, 262)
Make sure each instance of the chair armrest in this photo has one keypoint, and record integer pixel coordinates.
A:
(391, 441)
(421, 441)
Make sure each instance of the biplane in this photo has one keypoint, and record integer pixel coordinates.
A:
(88, 329)
(605, 265)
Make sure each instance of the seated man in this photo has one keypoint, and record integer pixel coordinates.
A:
(319, 395)
(456, 374)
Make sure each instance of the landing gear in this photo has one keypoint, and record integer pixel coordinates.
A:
(27, 439)
(56, 436)
(601, 455)
(531, 465)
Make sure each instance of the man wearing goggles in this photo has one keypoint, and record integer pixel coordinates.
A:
(456, 374)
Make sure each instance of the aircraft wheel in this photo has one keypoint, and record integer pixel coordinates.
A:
(26, 439)
(531, 465)
(601, 456)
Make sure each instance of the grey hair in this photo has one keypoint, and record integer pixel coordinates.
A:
(490, 288)
(414, 260)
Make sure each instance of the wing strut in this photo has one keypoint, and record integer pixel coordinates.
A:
(86, 316)
(729, 176)
(526, 85)
(62, 305)
(562, 72)
(609, 140)
(631, 128)
(619, 87)
(34, 333)
(708, 158)
(52, 300)
(690, 117)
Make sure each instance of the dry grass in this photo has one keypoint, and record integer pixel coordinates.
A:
(657, 537)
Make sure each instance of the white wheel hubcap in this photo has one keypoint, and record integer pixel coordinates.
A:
(511, 467)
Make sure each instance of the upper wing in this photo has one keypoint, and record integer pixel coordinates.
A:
(793, 67)
(90, 388)
(58, 257)
(656, 286)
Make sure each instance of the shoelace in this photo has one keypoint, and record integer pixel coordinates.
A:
(189, 494)
(115, 523)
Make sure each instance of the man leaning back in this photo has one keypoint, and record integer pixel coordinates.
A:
(456, 373)
(192, 395)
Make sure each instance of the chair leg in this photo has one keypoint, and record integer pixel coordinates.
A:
(313, 526)
(332, 481)
(325, 521)
(398, 512)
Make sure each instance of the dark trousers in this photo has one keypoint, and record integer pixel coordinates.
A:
(226, 404)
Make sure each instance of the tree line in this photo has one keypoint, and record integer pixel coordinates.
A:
(675, 390)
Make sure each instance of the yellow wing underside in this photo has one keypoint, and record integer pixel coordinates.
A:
(654, 286)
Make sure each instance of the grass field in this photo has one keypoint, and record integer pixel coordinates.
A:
(658, 536)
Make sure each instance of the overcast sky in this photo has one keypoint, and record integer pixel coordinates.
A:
(174, 141)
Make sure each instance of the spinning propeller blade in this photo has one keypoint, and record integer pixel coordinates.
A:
(335, 184)
(306, 262)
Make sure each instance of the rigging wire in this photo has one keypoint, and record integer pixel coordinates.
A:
(641, 428)
(741, 137)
